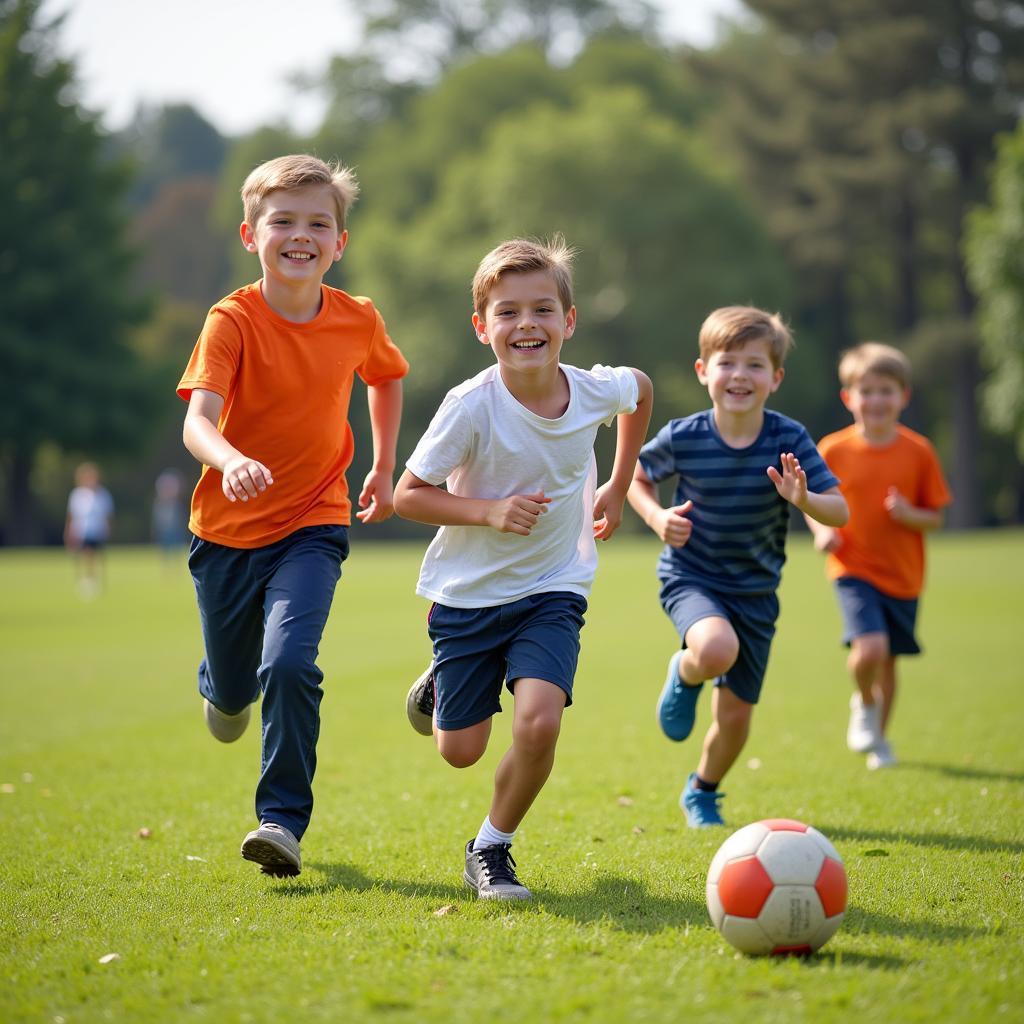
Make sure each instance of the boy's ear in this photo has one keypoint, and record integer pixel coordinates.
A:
(777, 378)
(339, 247)
(844, 396)
(248, 236)
(698, 368)
(481, 329)
(570, 323)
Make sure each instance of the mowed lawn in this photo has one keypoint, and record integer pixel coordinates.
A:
(101, 736)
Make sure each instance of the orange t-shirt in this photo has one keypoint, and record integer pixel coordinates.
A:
(286, 389)
(874, 546)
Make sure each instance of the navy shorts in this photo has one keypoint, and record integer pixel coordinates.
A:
(477, 649)
(866, 609)
(752, 617)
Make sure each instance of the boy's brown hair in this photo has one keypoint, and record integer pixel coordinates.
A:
(297, 171)
(524, 256)
(732, 326)
(874, 357)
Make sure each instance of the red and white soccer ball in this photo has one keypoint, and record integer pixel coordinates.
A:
(777, 886)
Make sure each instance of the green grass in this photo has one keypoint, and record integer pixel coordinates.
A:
(101, 735)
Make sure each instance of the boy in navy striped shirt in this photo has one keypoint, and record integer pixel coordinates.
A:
(739, 468)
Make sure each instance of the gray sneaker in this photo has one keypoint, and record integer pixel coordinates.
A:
(419, 703)
(224, 727)
(274, 848)
(492, 872)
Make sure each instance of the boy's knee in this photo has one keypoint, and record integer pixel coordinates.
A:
(460, 751)
(717, 653)
(537, 732)
(870, 649)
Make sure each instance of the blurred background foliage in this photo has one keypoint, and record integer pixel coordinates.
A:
(856, 164)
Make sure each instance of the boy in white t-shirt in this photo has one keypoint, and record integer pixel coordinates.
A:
(511, 567)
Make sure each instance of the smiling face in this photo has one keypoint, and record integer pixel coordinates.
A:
(876, 401)
(739, 380)
(296, 236)
(524, 323)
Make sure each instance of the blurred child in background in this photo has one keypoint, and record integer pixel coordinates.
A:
(893, 483)
(87, 527)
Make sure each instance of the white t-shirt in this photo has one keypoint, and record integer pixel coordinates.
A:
(484, 444)
(89, 511)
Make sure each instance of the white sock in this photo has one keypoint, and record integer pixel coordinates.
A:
(490, 836)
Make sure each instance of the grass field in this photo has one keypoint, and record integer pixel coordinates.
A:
(101, 735)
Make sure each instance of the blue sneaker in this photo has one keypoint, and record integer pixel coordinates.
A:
(677, 705)
(700, 806)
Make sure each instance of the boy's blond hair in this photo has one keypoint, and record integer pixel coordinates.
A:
(874, 357)
(732, 326)
(524, 256)
(297, 171)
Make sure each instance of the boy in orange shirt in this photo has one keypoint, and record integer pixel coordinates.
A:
(893, 483)
(268, 387)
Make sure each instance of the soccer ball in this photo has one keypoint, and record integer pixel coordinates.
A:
(776, 886)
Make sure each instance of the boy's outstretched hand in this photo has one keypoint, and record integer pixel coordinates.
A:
(518, 513)
(791, 483)
(377, 498)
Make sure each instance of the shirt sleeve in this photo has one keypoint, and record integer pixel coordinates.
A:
(657, 457)
(215, 359)
(445, 445)
(935, 492)
(383, 360)
(819, 476)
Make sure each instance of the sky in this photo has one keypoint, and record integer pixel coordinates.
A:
(233, 59)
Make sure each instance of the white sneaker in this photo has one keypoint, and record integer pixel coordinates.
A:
(864, 732)
(274, 848)
(224, 727)
(882, 756)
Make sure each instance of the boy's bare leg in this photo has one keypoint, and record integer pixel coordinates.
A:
(525, 768)
(885, 690)
(727, 735)
(711, 649)
(868, 654)
(463, 747)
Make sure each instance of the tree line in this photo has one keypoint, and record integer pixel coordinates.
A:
(849, 164)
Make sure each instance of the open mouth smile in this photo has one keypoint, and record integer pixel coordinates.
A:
(528, 344)
(299, 257)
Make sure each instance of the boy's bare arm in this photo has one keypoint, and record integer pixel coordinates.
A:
(376, 499)
(670, 524)
(242, 478)
(826, 538)
(631, 431)
(422, 502)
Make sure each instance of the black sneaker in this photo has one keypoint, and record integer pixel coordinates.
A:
(492, 872)
(419, 703)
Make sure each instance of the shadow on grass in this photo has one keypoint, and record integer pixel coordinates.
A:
(978, 844)
(627, 904)
(351, 879)
(964, 771)
(860, 920)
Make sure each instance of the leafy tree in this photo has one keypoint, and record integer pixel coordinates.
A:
(865, 128)
(66, 306)
(995, 257)
(662, 235)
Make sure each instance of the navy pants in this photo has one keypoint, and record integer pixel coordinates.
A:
(263, 611)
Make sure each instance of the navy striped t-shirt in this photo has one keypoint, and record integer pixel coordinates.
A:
(738, 543)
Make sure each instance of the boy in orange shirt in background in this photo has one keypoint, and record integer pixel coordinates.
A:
(268, 388)
(893, 484)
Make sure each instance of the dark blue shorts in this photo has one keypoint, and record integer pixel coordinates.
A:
(752, 617)
(477, 649)
(866, 609)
